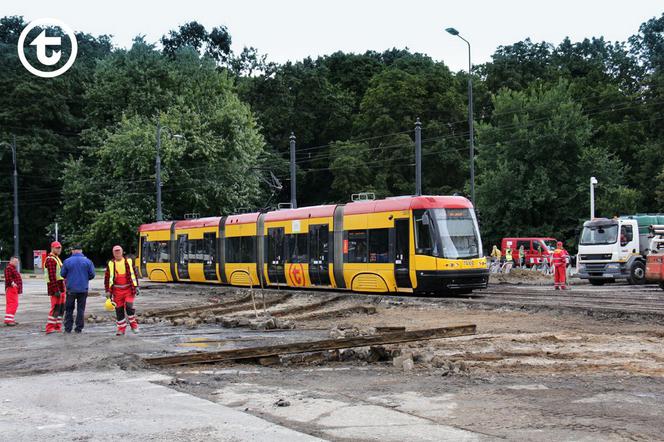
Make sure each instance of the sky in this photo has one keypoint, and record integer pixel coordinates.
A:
(294, 29)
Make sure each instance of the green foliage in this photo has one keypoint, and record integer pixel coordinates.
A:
(547, 116)
(536, 160)
(210, 147)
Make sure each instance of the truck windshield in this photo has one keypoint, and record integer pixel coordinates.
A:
(595, 235)
(447, 233)
(550, 244)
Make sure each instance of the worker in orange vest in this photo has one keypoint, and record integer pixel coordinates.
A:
(122, 288)
(560, 258)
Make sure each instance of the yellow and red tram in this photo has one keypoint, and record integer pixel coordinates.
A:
(423, 244)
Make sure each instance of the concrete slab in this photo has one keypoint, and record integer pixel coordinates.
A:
(392, 433)
(396, 417)
(121, 405)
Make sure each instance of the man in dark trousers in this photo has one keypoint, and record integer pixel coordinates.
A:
(78, 271)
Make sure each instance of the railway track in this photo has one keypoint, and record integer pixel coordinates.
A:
(618, 301)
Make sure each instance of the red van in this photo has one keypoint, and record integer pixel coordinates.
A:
(536, 249)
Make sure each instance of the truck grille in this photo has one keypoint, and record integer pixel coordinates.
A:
(595, 268)
(595, 257)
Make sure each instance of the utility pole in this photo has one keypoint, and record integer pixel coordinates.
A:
(16, 242)
(56, 232)
(418, 158)
(160, 216)
(293, 190)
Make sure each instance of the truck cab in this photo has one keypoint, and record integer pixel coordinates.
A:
(611, 250)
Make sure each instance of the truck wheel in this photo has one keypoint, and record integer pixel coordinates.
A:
(597, 281)
(637, 274)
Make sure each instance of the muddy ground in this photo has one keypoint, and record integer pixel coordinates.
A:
(528, 374)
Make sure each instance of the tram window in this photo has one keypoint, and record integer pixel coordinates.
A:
(183, 251)
(233, 246)
(210, 240)
(146, 247)
(357, 246)
(193, 251)
(378, 245)
(155, 251)
(423, 242)
(297, 248)
(162, 252)
(247, 249)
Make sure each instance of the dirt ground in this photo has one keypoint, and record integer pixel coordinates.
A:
(525, 375)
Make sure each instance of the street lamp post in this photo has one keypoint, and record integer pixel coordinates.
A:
(454, 32)
(157, 167)
(160, 216)
(17, 251)
(593, 183)
(17, 248)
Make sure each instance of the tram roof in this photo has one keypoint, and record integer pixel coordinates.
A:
(301, 213)
(160, 225)
(211, 221)
(407, 203)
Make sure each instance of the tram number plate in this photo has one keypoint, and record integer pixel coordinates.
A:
(468, 263)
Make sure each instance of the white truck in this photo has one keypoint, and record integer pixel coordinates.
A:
(615, 249)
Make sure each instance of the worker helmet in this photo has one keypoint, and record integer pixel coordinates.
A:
(109, 305)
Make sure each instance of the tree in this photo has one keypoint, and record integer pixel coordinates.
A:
(415, 87)
(211, 169)
(215, 44)
(535, 159)
(349, 163)
(46, 117)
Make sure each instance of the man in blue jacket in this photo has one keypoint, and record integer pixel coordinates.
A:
(78, 271)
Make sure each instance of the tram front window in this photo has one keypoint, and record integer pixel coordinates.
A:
(447, 233)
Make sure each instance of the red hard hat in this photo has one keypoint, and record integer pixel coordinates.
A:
(56, 244)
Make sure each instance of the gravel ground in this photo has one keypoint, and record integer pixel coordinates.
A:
(528, 374)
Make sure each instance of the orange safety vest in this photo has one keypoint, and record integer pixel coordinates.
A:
(559, 257)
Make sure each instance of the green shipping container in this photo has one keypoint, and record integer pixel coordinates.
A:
(645, 220)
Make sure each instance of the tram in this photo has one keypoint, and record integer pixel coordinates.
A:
(411, 244)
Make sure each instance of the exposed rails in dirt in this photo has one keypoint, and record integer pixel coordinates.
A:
(202, 308)
(307, 307)
(312, 346)
(327, 314)
(222, 309)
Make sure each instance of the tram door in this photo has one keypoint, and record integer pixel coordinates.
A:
(319, 247)
(183, 257)
(276, 256)
(402, 252)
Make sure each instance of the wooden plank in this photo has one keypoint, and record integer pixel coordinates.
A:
(389, 328)
(305, 347)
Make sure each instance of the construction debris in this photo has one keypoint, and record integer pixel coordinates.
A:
(304, 347)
